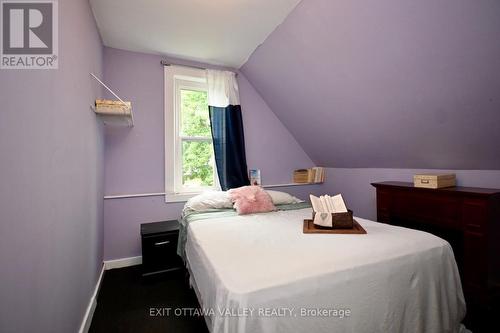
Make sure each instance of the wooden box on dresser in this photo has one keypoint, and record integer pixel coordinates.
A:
(469, 219)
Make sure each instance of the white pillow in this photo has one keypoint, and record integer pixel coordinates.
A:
(209, 200)
(283, 198)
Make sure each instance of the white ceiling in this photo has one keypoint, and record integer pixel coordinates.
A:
(221, 32)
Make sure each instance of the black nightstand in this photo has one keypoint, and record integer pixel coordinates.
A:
(159, 247)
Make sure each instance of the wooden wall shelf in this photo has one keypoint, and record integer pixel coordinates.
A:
(123, 115)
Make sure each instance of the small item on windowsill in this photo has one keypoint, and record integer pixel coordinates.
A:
(434, 180)
(254, 175)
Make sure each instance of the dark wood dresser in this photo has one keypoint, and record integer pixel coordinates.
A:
(469, 219)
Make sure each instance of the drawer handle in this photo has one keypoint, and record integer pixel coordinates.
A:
(162, 243)
(424, 181)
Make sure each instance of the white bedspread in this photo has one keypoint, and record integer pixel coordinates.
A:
(274, 278)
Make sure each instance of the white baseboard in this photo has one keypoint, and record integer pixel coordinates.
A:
(87, 319)
(123, 262)
(108, 264)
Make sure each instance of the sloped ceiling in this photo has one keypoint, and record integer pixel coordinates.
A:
(388, 83)
(221, 32)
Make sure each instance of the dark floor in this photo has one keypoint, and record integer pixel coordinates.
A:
(127, 302)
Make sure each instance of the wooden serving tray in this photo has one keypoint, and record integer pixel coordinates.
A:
(311, 228)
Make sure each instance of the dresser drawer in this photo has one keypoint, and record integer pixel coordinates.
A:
(159, 253)
(431, 208)
(474, 215)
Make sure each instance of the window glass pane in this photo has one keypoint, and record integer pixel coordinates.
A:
(195, 120)
(197, 163)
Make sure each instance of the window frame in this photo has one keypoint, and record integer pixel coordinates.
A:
(179, 78)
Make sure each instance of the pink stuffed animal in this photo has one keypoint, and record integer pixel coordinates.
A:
(251, 199)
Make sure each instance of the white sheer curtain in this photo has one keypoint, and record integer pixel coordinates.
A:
(222, 88)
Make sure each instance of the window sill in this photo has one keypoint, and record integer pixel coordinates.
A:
(179, 197)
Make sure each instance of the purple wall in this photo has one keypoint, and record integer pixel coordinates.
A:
(51, 207)
(390, 83)
(123, 216)
(354, 184)
(134, 158)
(417, 90)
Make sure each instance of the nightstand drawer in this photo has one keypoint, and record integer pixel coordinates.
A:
(159, 253)
(159, 247)
(161, 243)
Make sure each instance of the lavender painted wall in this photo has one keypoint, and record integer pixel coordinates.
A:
(391, 83)
(123, 216)
(51, 176)
(134, 158)
(354, 184)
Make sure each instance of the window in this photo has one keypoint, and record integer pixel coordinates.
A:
(189, 155)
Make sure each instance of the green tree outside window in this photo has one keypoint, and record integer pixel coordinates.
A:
(197, 149)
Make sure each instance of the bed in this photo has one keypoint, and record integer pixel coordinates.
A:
(260, 273)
